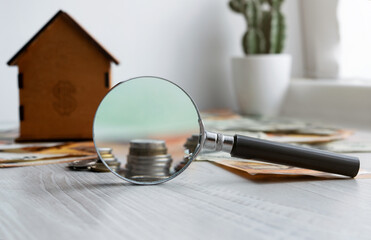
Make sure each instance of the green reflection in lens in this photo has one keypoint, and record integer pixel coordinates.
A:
(142, 108)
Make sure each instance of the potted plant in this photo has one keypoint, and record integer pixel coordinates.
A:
(261, 77)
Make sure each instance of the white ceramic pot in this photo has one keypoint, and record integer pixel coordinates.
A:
(260, 82)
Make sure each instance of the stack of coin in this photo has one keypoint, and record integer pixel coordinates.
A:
(191, 143)
(148, 159)
(108, 158)
(189, 148)
(97, 165)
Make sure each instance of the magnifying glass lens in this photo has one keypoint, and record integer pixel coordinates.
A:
(147, 130)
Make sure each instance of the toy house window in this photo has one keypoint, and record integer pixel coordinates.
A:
(21, 112)
(20, 80)
(106, 79)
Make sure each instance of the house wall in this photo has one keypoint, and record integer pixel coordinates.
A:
(63, 83)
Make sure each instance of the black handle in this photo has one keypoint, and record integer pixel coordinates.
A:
(286, 154)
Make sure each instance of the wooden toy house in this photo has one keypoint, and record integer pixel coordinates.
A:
(63, 75)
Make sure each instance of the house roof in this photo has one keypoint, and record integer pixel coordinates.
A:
(65, 16)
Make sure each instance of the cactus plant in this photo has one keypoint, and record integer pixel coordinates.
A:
(265, 25)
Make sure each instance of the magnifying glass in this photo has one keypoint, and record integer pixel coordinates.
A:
(147, 130)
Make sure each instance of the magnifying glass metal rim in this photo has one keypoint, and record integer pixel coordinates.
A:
(194, 154)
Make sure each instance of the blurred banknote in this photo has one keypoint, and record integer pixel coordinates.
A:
(268, 124)
(255, 124)
(346, 146)
(253, 167)
(18, 155)
(276, 129)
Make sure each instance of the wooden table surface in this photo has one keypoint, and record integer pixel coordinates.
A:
(205, 202)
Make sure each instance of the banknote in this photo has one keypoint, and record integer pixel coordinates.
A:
(268, 124)
(17, 155)
(278, 129)
(309, 138)
(255, 167)
(291, 137)
(33, 160)
(346, 146)
(269, 170)
(28, 147)
(254, 124)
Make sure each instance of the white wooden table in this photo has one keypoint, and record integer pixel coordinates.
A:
(205, 202)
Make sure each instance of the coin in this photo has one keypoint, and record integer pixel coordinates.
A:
(100, 167)
(147, 152)
(146, 178)
(192, 143)
(113, 159)
(107, 155)
(105, 150)
(82, 165)
(190, 147)
(182, 164)
(96, 165)
(157, 158)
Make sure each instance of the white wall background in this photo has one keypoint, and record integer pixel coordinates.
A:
(187, 41)
(355, 35)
